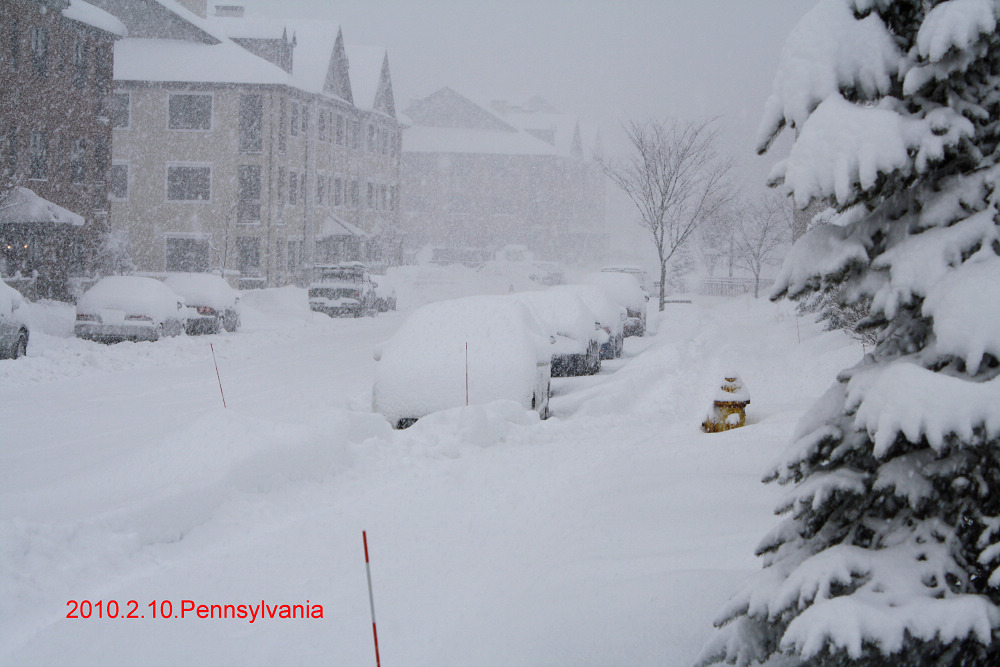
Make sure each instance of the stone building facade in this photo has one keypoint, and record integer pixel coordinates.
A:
(55, 139)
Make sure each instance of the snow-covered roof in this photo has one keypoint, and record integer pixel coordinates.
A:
(366, 74)
(86, 13)
(418, 139)
(315, 41)
(24, 206)
(182, 60)
(334, 226)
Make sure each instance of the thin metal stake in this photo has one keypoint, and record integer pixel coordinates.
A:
(371, 598)
(217, 375)
(466, 373)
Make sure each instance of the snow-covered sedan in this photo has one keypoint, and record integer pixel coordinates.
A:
(625, 290)
(120, 308)
(575, 335)
(466, 351)
(212, 302)
(610, 316)
(13, 323)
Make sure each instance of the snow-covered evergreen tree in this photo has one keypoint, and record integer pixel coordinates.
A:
(890, 550)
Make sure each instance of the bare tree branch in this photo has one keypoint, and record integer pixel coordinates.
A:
(677, 180)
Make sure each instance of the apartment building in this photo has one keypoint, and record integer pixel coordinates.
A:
(238, 145)
(55, 142)
(479, 177)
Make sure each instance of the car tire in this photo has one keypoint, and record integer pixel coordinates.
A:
(20, 347)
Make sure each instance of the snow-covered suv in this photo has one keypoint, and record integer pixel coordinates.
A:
(342, 290)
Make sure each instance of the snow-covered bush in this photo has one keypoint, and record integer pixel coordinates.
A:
(890, 550)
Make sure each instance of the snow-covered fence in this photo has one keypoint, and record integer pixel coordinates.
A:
(730, 286)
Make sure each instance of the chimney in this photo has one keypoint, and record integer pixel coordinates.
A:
(229, 11)
(199, 7)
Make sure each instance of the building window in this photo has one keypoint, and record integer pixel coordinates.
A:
(383, 196)
(322, 126)
(119, 182)
(40, 50)
(305, 120)
(293, 188)
(356, 139)
(337, 194)
(80, 64)
(248, 255)
(189, 183)
(355, 194)
(319, 190)
(294, 125)
(340, 129)
(371, 195)
(302, 188)
(279, 248)
(119, 110)
(78, 161)
(371, 138)
(15, 43)
(11, 156)
(102, 156)
(248, 208)
(293, 247)
(187, 254)
(189, 112)
(282, 130)
(251, 123)
(38, 151)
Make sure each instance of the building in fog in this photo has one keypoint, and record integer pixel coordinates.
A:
(476, 179)
(56, 74)
(246, 146)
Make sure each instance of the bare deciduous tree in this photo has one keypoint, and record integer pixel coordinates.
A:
(761, 228)
(675, 177)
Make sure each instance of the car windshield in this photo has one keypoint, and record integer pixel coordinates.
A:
(340, 292)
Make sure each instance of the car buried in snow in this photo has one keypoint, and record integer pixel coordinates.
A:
(609, 315)
(624, 289)
(575, 335)
(342, 290)
(385, 294)
(134, 308)
(213, 304)
(467, 351)
(14, 328)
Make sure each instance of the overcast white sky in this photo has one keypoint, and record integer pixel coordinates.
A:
(604, 60)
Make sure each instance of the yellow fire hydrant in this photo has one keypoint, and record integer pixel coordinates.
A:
(729, 406)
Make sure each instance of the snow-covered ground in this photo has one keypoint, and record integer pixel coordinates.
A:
(610, 534)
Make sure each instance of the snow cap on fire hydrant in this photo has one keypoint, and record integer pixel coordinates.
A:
(728, 408)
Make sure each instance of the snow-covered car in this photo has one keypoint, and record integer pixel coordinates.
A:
(467, 351)
(575, 335)
(640, 274)
(385, 294)
(212, 302)
(610, 316)
(342, 290)
(13, 323)
(624, 289)
(120, 308)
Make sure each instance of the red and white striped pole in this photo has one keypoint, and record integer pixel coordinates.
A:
(218, 377)
(371, 598)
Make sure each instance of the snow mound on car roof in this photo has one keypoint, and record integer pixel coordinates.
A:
(202, 289)
(135, 295)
